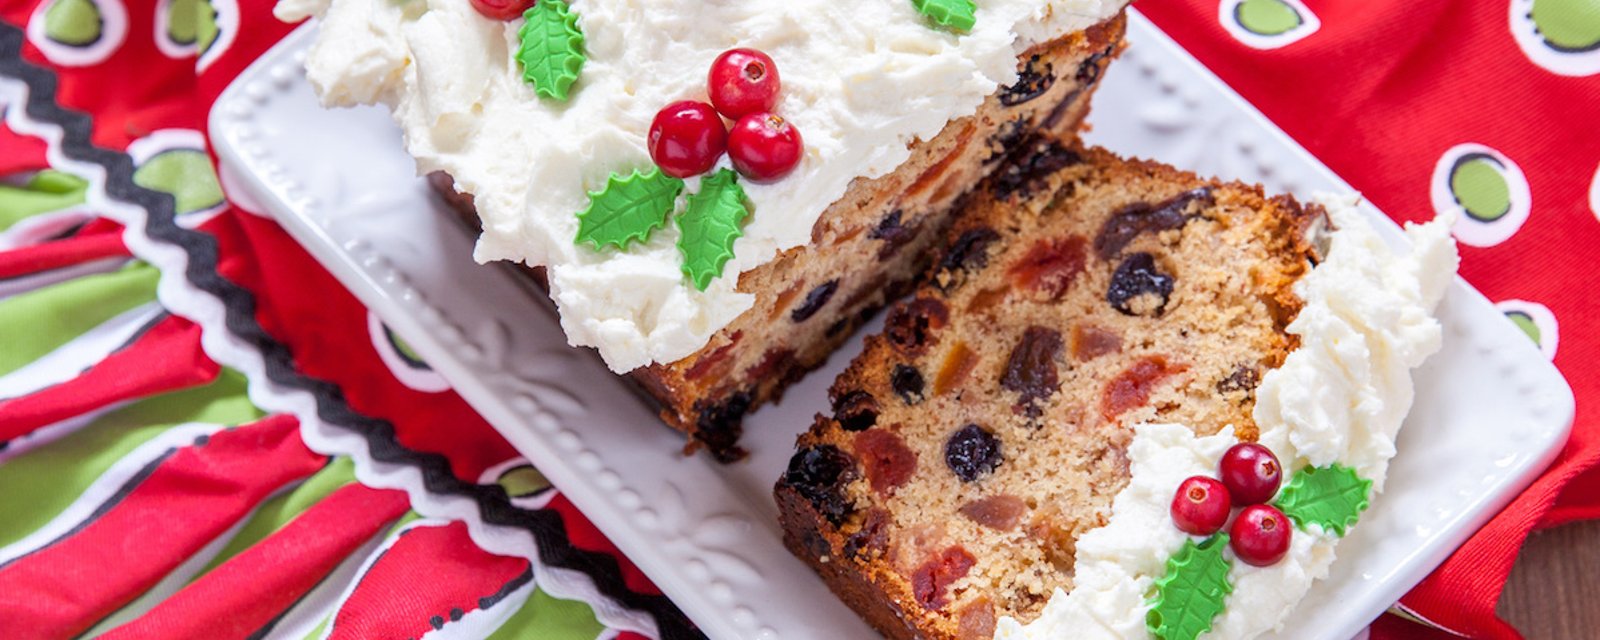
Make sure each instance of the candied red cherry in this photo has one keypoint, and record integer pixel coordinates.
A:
(742, 82)
(502, 9)
(1260, 535)
(1251, 472)
(686, 138)
(1200, 506)
(764, 147)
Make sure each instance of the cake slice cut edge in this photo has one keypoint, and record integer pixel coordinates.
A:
(986, 432)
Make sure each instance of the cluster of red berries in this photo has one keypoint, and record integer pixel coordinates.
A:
(1250, 477)
(688, 136)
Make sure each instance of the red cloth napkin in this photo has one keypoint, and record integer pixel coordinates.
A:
(1382, 91)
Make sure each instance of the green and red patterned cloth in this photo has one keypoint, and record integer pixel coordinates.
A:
(147, 492)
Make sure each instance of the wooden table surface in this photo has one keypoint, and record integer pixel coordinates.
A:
(1554, 590)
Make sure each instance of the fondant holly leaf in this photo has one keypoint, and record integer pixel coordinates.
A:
(709, 226)
(1333, 496)
(958, 15)
(628, 209)
(552, 48)
(1192, 592)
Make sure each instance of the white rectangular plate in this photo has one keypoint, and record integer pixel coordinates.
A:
(1490, 413)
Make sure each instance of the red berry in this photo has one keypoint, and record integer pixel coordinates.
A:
(1201, 506)
(502, 9)
(1260, 535)
(1251, 472)
(764, 147)
(742, 82)
(686, 138)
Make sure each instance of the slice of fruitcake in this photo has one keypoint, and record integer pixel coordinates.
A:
(1083, 306)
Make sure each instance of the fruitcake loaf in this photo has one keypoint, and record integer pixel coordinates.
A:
(715, 192)
(866, 249)
(1099, 339)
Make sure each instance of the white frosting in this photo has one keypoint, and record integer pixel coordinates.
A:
(1340, 397)
(861, 81)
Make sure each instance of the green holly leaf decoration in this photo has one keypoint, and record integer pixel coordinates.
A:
(1192, 592)
(1332, 496)
(628, 209)
(709, 225)
(956, 15)
(552, 48)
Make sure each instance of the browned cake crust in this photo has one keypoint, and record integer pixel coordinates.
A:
(986, 428)
(867, 248)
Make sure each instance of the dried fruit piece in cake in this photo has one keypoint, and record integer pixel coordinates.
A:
(1079, 295)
